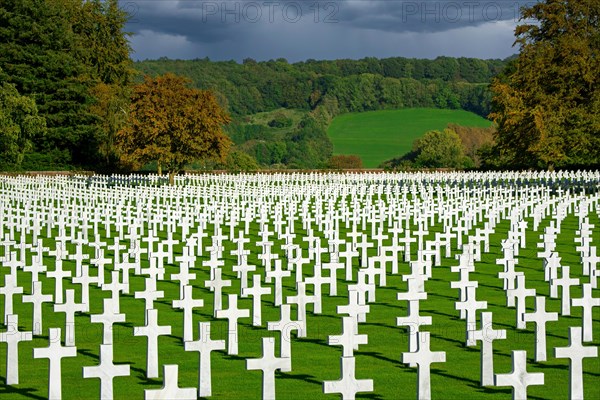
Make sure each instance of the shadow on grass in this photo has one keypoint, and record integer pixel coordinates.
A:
(9, 392)
(477, 385)
(369, 396)
(233, 357)
(380, 356)
(142, 380)
(88, 353)
(299, 377)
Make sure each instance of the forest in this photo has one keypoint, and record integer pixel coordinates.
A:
(67, 80)
(321, 90)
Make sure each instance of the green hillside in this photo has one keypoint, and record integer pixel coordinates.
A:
(377, 136)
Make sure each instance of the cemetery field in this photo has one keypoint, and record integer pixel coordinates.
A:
(317, 263)
(377, 136)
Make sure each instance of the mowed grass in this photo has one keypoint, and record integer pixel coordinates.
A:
(377, 136)
(313, 360)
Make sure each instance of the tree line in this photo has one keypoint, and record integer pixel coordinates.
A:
(70, 96)
(355, 85)
(323, 90)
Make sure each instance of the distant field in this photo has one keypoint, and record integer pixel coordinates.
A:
(377, 136)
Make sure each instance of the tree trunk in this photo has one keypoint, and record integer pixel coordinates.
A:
(159, 168)
(172, 177)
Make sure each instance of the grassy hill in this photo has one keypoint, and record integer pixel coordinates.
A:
(377, 136)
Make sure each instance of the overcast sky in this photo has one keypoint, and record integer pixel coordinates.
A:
(304, 29)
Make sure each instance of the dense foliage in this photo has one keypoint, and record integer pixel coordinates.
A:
(435, 149)
(352, 85)
(60, 53)
(67, 63)
(342, 161)
(172, 125)
(323, 90)
(547, 103)
(19, 124)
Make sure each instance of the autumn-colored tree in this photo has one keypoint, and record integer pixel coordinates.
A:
(173, 125)
(547, 103)
(343, 161)
(473, 138)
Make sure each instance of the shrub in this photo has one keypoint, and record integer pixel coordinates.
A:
(345, 162)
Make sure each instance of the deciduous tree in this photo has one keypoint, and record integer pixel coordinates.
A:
(547, 104)
(19, 124)
(439, 149)
(172, 124)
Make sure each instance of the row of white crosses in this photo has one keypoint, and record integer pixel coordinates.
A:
(515, 286)
(379, 215)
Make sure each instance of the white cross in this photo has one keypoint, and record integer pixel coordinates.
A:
(268, 363)
(348, 385)
(407, 240)
(84, 279)
(299, 262)
(278, 274)
(12, 337)
(285, 325)
(373, 271)
(413, 322)
(462, 285)
(184, 276)
(187, 304)
(170, 389)
(69, 307)
(317, 280)
(242, 270)
(520, 294)
(333, 267)
(348, 255)
(364, 245)
(487, 334)
(152, 331)
(256, 291)
(355, 308)
(99, 261)
(106, 371)
(470, 307)
(233, 313)
(159, 256)
(170, 242)
(540, 317)
(204, 346)
(423, 358)
(116, 248)
(576, 352)
(9, 289)
(107, 319)
(55, 352)
(565, 283)
(216, 285)
(363, 288)
(37, 298)
(150, 294)
(115, 287)
(587, 302)
(349, 340)
(519, 378)
(301, 300)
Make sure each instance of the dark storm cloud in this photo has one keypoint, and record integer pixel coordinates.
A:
(299, 30)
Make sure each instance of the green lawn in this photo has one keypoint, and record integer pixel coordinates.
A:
(313, 360)
(377, 136)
